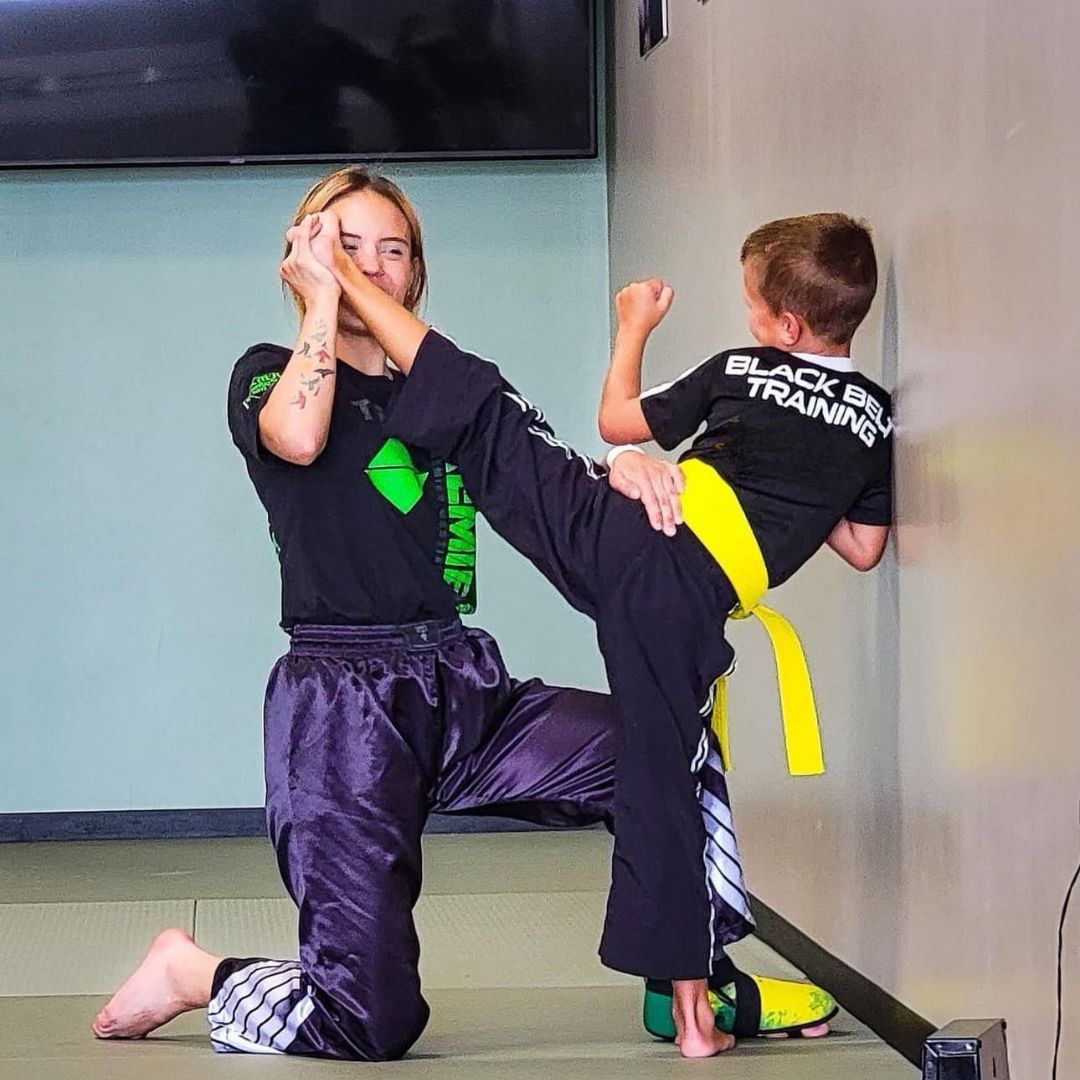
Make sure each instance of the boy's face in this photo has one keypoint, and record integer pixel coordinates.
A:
(767, 329)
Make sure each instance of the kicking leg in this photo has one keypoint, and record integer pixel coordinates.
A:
(550, 503)
(532, 489)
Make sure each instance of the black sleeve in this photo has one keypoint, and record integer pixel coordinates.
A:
(874, 504)
(677, 409)
(253, 378)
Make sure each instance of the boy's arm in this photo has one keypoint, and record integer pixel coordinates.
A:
(640, 307)
(861, 534)
(861, 546)
(395, 328)
(621, 418)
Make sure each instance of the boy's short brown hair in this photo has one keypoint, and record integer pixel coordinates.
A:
(820, 267)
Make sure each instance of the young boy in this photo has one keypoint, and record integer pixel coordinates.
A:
(795, 453)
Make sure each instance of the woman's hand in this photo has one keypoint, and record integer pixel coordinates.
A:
(654, 482)
(302, 270)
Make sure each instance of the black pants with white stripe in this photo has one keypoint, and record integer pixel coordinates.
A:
(660, 605)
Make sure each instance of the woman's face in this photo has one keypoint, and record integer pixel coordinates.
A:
(375, 235)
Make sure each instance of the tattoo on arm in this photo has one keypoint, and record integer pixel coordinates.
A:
(321, 354)
(313, 382)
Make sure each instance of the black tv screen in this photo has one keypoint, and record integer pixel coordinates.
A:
(168, 81)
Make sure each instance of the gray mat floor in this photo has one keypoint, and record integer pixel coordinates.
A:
(508, 923)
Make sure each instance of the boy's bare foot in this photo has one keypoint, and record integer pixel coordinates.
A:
(174, 977)
(696, 1034)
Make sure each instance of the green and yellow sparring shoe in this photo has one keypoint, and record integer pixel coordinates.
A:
(746, 1005)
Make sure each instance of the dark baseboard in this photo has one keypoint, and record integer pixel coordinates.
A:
(905, 1031)
(195, 825)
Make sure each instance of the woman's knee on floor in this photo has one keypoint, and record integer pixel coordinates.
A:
(391, 1027)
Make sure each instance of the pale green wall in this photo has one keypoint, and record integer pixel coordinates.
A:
(140, 591)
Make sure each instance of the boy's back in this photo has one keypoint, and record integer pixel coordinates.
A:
(804, 440)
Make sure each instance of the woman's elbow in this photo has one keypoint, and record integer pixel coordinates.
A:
(297, 450)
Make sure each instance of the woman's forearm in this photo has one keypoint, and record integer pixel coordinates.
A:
(295, 421)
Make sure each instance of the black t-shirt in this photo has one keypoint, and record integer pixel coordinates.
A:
(372, 532)
(804, 441)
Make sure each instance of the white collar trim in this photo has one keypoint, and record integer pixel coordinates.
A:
(833, 363)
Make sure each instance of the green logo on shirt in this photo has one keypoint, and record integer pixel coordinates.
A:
(395, 476)
(459, 566)
(259, 385)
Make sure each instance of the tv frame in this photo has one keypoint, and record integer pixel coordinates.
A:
(591, 153)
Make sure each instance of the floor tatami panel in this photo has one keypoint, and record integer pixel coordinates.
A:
(509, 925)
(80, 948)
(524, 1034)
(474, 940)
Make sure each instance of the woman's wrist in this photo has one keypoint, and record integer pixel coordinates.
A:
(324, 302)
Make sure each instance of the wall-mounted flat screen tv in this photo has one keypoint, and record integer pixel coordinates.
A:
(109, 82)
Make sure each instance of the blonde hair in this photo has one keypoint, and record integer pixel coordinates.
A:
(355, 178)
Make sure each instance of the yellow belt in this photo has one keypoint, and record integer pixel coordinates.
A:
(711, 510)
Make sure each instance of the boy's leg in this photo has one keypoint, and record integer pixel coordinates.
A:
(548, 502)
(677, 894)
(660, 632)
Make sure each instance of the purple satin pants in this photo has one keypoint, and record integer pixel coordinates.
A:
(367, 730)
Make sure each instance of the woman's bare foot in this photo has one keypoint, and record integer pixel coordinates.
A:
(696, 1035)
(174, 977)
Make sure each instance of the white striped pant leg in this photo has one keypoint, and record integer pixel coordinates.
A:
(260, 1007)
(732, 918)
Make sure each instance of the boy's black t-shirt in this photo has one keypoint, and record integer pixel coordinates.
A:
(804, 441)
(372, 532)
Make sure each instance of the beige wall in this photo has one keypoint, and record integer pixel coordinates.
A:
(935, 853)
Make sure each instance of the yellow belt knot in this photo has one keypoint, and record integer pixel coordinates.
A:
(711, 509)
